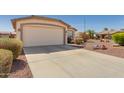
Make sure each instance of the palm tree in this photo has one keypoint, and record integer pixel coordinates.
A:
(91, 33)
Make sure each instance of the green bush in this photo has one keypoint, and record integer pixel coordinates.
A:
(118, 38)
(78, 41)
(11, 44)
(6, 59)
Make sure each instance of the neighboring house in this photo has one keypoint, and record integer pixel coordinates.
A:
(7, 34)
(38, 31)
(108, 33)
(121, 30)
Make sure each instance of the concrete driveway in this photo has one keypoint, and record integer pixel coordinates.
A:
(66, 61)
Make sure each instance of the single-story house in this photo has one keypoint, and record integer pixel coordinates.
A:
(108, 33)
(39, 30)
(5, 34)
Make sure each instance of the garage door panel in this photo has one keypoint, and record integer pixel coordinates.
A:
(39, 36)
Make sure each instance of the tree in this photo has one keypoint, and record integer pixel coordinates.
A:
(118, 38)
(91, 33)
(84, 36)
(106, 29)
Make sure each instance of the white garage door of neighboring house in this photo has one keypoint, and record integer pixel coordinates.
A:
(42, 35)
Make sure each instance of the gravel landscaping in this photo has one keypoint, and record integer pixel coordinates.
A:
(114, 51)
(20, 68)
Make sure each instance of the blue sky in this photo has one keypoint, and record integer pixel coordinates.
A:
(95, 22)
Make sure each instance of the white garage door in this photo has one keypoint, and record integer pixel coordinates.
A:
(42, 35)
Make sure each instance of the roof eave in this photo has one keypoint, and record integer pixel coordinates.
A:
(41, 17)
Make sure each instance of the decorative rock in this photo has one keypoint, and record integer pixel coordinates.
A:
(116, 45)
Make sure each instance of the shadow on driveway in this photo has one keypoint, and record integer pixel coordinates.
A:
(48, 49)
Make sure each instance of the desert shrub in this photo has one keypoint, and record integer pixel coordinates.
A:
(6, 59)
(11, 44)
(82, 35)
(118, 38)
(79, 40)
